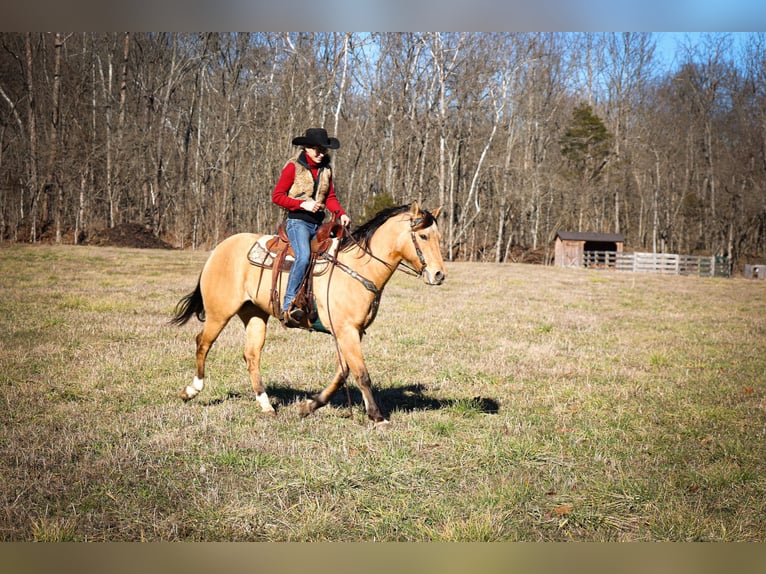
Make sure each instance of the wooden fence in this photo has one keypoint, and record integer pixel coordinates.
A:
(669, 263)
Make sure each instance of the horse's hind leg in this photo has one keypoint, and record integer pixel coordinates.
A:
(255, 321)
(205, 340)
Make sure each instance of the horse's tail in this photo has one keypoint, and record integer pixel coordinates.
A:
(189, 306)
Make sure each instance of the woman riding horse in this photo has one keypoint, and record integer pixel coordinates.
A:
(305, 188)
(347, 296)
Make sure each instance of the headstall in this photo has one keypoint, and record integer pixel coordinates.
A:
(415, 225)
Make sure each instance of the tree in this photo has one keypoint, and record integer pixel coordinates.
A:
(508, 131)
(586, 147)
(33, 183)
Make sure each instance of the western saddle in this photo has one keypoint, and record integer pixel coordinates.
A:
(279, 247)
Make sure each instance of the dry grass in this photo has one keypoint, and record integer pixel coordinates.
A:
(527, 403)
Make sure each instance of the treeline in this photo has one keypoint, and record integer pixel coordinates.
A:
(517, 135)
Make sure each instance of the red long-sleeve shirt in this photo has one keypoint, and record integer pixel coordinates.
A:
(280, 194)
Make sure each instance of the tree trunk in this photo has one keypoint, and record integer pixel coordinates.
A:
(33, 185)
(53, 179)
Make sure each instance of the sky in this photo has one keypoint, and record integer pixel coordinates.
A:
(668, 43)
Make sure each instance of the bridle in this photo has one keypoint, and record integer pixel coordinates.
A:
(415, 225)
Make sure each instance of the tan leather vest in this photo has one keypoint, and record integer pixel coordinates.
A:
(303, 185)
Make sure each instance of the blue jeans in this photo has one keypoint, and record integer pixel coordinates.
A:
(300, 234)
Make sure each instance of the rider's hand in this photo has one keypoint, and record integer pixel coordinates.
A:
(345, 220)
(311, 205)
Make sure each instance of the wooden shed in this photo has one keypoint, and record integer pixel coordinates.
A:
(571, 246)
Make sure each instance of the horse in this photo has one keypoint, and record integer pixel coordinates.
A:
(346, 297)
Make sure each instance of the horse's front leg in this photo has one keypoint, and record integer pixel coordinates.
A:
(350, 345)
(365, 385)
(321, 399)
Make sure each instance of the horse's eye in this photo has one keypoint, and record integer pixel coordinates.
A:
(424, 237)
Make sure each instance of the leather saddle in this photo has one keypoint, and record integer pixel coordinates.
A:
(320, 244)
(282, 251)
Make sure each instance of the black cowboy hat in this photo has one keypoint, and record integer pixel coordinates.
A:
(317, 137)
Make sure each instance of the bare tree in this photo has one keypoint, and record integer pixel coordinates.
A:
(33, 184)
(53, 180)
(627, 73)
(445, 62)
(188, 133)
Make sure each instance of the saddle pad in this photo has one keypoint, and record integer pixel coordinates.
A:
(262, 256)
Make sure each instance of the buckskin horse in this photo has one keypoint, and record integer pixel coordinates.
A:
(346, 297)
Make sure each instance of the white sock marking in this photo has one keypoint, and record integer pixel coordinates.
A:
(263, 400)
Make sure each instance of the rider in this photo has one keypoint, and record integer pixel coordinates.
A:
(305, 189)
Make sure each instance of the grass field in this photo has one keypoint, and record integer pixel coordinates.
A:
(527, 403)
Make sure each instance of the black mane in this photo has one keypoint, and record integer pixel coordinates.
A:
(363, 234)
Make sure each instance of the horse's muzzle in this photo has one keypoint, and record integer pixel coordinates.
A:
(435, 278)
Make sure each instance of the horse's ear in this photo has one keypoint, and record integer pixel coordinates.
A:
(415, 208)
(436, 212)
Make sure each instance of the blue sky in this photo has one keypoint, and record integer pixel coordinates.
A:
(668, 42)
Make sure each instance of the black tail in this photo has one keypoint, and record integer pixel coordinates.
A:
(188, 306)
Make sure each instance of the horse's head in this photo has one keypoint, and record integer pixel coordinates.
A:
(422, 250)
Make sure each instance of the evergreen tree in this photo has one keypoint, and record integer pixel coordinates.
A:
(586, 144)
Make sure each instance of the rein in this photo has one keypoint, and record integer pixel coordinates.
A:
(403, 266)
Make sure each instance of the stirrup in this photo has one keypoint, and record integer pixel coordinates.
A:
(292, 317)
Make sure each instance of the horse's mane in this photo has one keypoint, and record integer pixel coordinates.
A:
(363, 234)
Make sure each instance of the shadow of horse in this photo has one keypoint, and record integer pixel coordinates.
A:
(407, 398)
